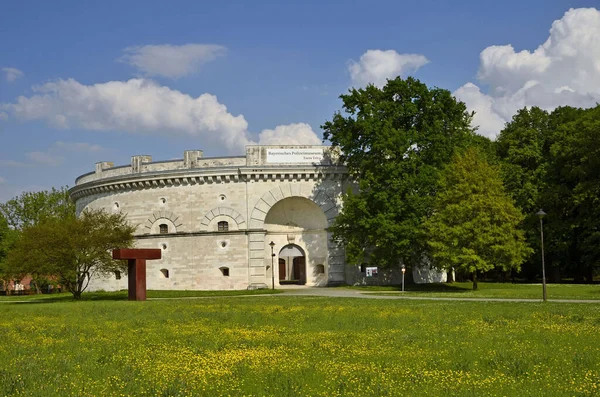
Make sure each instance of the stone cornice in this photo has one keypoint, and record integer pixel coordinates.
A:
(140, 181)
(198, 233)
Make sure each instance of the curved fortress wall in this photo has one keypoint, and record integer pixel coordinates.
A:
(215, 217)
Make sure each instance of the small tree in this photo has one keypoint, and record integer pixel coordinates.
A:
(475, 225)
(8, 238)
(72, 250)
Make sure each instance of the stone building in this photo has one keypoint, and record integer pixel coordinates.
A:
(215, 218)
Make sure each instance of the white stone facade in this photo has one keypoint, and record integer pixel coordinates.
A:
(272, 194)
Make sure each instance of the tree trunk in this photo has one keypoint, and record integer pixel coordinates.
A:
(37, 287)
(76, 294)
(589, 275)
(555, 274)
(474, 281)
(450, 276)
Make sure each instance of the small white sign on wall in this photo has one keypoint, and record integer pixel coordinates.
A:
(371, 272)
(295, 156)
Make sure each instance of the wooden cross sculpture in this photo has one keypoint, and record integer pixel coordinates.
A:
(136, 261)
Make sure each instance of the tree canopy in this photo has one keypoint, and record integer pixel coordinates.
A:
(394, 141)
(31, 208)
(475, 226)
(72, 250)
(550, 160)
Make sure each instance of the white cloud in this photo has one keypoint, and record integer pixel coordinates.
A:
(12, 163)
(141, 106)
(171, 60)
(489, 122)
(77, 146)
(137, 106)
(53, 156)
(376, 66)
(564, 70)
(291, 134)
(45, 158)
(12, 74)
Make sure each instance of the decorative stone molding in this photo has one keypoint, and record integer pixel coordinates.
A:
(283, 191)
(222, 211)
(149, 180)
(157, 217)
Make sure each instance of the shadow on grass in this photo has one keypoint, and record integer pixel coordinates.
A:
(439, 287)
(65, 297)
(423, 288)
(123, 296)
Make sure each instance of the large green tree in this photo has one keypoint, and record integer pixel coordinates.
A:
(574, 190)
(72, 250)
(394, 141)
(549, 161)
(475, 225)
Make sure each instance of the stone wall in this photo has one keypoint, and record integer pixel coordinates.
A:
(191, 196)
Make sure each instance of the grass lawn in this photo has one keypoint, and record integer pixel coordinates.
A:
(122, 295)
(491, 290)
(304, 346)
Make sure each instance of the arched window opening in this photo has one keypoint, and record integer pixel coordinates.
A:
(118, 275)
(225, 271)
(320, 269)
(363, 267)
(163, 228)
(223, 226)
(165, 273)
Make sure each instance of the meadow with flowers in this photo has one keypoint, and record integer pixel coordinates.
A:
(298, 346)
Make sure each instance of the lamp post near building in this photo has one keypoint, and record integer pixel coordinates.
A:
(272, 244)
(403, 271)
(541, 215)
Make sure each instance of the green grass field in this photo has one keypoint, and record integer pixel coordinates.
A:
(305, 346)
(491, 290)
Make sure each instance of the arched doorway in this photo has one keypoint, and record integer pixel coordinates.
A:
(297, 227)
(292, 265)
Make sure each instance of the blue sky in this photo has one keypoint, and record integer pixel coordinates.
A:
(83, 82)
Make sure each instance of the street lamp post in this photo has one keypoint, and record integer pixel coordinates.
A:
(403, 271)
(272, 244)
(541, 215)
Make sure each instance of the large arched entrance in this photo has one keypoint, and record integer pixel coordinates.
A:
(297, 228)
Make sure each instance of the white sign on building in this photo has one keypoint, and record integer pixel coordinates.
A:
(295, 156)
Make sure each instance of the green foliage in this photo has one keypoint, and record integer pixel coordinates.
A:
(394, 141)
(28, 209)
(8, 238)
(574, 188)
(550, 161)
(475, 225)
(523, 146)
(31, 208)
(72, 250)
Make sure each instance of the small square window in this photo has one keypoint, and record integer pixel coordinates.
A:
(163, 229)
(223, 226)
